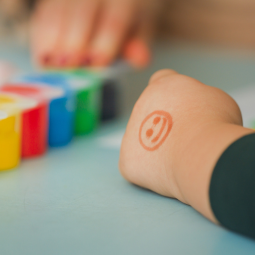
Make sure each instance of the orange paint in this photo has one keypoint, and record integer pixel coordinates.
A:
(137, 53)
(154, 130)
(156, 120)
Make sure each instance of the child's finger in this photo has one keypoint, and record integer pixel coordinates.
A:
(115, 23)
(47, 24)
(161, 74)
(136, 51)
(73, 41)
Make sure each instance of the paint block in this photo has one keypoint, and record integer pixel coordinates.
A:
(33, 128)
(110, 100)
(61, 106)
(87, 87)
(10, 137)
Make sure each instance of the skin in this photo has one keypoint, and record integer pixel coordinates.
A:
(205, 122)
(73, 33)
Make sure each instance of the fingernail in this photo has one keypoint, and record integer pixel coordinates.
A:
(62, 61)
(86, 61)
(100, 60)
(46, 59)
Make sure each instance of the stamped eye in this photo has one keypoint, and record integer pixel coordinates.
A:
(156, 120)
(149, 133)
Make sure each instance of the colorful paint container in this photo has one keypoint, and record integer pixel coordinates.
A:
(112, 91)
(61, 122)
(88, 90)
(111, 102)
(61, 106)
(87, 87)
(34, 119)
(10, 137)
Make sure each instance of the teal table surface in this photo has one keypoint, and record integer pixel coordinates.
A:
(74, 201)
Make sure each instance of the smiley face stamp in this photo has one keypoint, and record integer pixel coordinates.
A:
(154, 130)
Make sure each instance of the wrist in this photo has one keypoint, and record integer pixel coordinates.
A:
(200, 154)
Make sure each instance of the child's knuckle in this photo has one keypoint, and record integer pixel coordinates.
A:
(164, 73)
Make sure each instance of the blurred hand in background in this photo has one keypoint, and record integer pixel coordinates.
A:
(72, 33)
(75, 33)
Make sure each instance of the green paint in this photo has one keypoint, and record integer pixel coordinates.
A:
(88, 87)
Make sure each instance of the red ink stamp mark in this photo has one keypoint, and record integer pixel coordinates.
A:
(155, 129)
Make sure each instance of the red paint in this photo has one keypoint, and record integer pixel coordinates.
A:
(154, 130)
(35, 131)
(34, 121)
(21, 90)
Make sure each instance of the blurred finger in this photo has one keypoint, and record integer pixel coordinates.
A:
(74, 39)
(46, 26)
(116, 20)
(137, 51)
(161, 74)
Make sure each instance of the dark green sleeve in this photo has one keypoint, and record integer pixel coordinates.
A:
(232, 188)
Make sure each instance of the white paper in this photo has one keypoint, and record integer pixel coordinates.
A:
(112, 140)
(245, 98)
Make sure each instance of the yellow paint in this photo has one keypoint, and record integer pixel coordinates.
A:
(4, 99)
(10, 135)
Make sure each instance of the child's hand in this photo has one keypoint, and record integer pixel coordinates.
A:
(177, 131)
(72, 33)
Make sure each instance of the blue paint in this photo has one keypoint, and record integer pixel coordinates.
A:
(61, 113)
(61, 122)
(87, 87)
